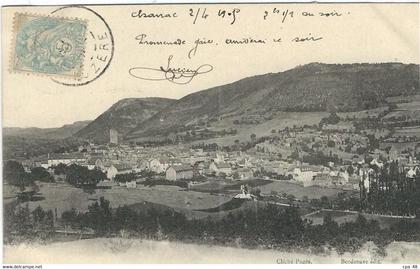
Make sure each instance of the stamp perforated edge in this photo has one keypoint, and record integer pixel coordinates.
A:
(11, 64)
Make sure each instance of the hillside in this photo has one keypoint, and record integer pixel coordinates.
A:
(309, 88)
(123, 116)
(65, 131)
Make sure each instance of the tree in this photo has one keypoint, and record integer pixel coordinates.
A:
(22, 222)
(373, 142)
(256, 192)
(43, 223)
(125, 177)
(80, 176)
(331, 144)
(70, 217)
(60, 169)
(41, 174)
(15, 174)
(126, 219)
(38, 214)
(333, 118)
(331, 227)
(295, 154)
(96, 176)
(99, 217)
(325, 202)
(350, 170)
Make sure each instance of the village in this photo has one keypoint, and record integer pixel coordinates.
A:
(333, 157)
(343, 166)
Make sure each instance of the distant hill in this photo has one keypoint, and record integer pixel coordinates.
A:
(123, 116)
(45, 133)
(252, 101)
(307, 88)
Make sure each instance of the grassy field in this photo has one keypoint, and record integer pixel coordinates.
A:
(409, 110)
(64, 197)
(9, 192)
(280, 121)
(297, 190)
(192, 203)
(363, 113)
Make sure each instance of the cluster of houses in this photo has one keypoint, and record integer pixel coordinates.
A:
(114, 161)
(181, 162)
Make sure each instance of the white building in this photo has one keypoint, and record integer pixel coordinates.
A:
(65, 158)
(111, 172)
(156, 166)
(305, 173)
(179, 172)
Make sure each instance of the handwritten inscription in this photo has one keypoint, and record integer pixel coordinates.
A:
(142, 40)
(197, 42)
(224, 17)
(244, 41)
(151, 15)
(288, 14)
(194, 46)
(232, 15)
(283, 14)
(307, 38)
(201, 14)
(176, 75)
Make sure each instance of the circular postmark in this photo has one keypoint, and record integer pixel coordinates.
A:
(98, 49)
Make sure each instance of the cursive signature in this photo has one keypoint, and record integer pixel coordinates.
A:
(177, 75)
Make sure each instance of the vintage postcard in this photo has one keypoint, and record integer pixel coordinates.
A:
(283, 133)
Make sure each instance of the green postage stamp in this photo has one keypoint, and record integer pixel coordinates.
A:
(48, 45)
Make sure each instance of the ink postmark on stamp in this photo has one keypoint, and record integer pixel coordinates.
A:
(48, 45)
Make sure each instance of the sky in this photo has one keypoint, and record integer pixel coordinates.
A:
(372, 33)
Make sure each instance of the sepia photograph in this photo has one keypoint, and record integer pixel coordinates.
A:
(212, 133)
